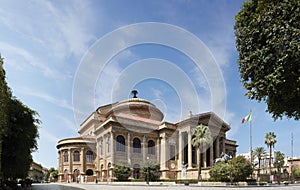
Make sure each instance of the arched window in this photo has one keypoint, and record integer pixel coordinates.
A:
(120, 143)
(151, 147)
(89, 172)
(76, 156)
(66, 156)
(136, 145)
(89, 156)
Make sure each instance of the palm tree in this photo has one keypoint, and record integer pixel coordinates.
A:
(201, 138)
(259, 152)
(270, 140)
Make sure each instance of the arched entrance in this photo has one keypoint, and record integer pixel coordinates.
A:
(89, 175)
(66, 175)
(136, 171)
(76, 173)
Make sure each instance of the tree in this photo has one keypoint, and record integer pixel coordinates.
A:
(239, 167)
(220, 171)
(152, 168)
(259, 152)
(201, 138)
(270, 140)
(19, 141)
(279, 159)
(122, 171)
(53, 173)
(5, 95)
(268, 42)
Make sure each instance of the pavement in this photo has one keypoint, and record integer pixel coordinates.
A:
(93, 186)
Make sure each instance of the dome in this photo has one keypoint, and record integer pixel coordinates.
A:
(136, 107)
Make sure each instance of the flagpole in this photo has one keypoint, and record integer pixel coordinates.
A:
(250, 126)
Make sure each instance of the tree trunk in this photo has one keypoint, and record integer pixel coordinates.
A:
(199, 166)
(270, 159)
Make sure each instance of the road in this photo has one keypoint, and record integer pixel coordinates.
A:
(135, 187)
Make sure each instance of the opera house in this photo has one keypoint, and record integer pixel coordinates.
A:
(133, 130)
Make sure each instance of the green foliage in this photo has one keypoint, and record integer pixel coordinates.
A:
(270, 140)
(296, 173)
(279, 159)
(54, 174)
(19, 141)
(5, 95)
(259, 152)
(201, 138)
(152, 168)
(18, 133)
(268, 42)
(239, 166)
(122, 171)
(220, 171)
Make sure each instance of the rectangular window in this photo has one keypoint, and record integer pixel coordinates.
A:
(172, 152)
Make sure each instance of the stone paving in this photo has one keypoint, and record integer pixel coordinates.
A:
(74, 186)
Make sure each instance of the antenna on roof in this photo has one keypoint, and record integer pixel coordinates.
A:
(134, 93)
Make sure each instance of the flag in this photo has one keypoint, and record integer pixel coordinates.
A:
(247, 118)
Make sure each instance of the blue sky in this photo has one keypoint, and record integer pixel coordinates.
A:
(46, 47)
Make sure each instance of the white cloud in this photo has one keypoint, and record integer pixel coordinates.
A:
(47, 135)
(58, 28)
(22, 56)
(68, 123)
(46, 97)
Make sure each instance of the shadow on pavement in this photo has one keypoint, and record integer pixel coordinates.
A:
(53, 187)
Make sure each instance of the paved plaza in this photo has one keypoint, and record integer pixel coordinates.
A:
(141, 187)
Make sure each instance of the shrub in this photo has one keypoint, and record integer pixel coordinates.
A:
(122, 171)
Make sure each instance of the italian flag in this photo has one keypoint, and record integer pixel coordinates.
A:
(247, 118)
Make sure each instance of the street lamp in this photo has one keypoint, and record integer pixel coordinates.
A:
(148, 172)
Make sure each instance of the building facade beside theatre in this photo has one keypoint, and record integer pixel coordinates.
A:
(133, 130)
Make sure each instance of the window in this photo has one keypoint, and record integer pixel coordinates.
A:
(172, 152)
(108, 144)
(89, 156)
(76, 156)
(66, 156)
(120, 143)
(136, 145)
(151, 147)
(101, 147)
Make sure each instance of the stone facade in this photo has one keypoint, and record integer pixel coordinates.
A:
(133, 130)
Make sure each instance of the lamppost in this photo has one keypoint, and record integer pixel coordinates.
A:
(148, 172)
(230, 157)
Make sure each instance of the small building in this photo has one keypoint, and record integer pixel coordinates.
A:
(35, 172)
(133, 130)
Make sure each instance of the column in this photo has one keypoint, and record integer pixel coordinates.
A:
(163, 152)
(189, 150)
(128, 149)
(223, 142)
(144, 148)
(61, 161)
(204, 159)
(217, 147)
(157, 150)
(211, 154)
(82, 163)
(180, 149)
(112, 150)
(70, 161)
